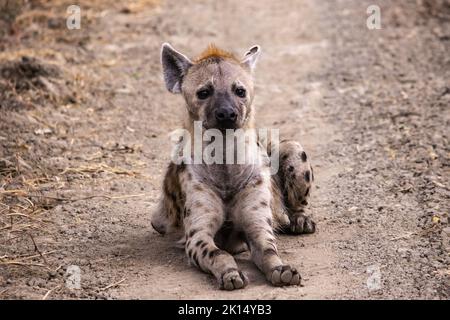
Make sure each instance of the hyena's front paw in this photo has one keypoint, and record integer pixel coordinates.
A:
(232, 280)
(284, 276)
(302, 224)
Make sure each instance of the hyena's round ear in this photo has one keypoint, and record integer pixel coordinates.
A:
(175, 66)
(251, 57)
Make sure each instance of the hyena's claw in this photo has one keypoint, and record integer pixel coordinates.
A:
(302, 224)
(233, 280)
(284, 276)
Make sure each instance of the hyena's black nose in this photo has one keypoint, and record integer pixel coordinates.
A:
(225, 115)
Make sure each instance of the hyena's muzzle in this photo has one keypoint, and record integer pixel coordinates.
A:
(224, 113)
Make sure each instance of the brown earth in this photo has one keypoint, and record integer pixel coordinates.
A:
(83, 150)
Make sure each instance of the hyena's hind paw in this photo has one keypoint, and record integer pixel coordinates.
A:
(233, 279)
(296, 175)
(296, 178)
(284, 276)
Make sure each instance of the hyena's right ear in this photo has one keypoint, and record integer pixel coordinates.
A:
(175, 66)
(251, 57)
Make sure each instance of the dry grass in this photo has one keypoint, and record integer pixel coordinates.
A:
(27, 193)
(29, 187)
(88, 169)
(44, 21)
(40, 11)
(21, 217)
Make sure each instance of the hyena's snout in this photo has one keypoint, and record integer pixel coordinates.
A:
(224, 112)
(226, 117)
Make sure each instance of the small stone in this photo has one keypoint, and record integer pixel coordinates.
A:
(436, 219)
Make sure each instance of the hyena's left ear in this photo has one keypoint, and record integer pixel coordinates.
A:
(175, 66)
(251, 57)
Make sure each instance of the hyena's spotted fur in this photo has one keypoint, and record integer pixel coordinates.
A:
(225, 209)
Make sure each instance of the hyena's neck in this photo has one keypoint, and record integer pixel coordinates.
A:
(226, 169)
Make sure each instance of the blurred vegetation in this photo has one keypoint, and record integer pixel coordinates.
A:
(9, 10)
(16, 16)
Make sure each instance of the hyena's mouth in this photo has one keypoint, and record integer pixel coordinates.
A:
(222, 126)
(228, 125)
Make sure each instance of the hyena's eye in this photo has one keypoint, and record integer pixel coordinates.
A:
(240, 92)
(203, 94)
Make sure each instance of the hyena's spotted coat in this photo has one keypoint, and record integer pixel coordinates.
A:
(225, 209)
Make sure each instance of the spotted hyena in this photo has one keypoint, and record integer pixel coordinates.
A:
(225, 209)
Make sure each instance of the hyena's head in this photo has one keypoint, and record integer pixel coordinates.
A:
(217, 87)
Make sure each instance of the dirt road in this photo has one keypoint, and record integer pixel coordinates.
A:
(370, 106)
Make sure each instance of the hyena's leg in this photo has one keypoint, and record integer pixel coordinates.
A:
(294, 180)
(167, 214)
(253, 214)
(203, 217)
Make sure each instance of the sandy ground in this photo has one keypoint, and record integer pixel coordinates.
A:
(370, 106)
